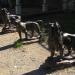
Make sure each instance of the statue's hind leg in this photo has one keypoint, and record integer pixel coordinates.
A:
(51, 47)
(19, 32)
(32, 33)
(61, 48)
(37, 29)
(26, 36)
(52, 52)
(4, 30)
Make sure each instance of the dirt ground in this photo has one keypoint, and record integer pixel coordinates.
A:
(26, 60)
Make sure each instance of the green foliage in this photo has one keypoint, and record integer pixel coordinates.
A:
(43, 38)
(44, 33)
(18, 44)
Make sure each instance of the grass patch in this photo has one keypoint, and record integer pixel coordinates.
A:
(18, 44)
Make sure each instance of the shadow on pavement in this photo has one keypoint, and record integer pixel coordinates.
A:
(51, 65)
(23, 42)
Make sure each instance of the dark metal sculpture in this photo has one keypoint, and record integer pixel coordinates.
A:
(55, 40)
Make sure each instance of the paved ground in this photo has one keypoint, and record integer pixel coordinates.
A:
(26, 60)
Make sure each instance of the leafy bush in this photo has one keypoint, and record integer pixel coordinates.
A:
(18, 44)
